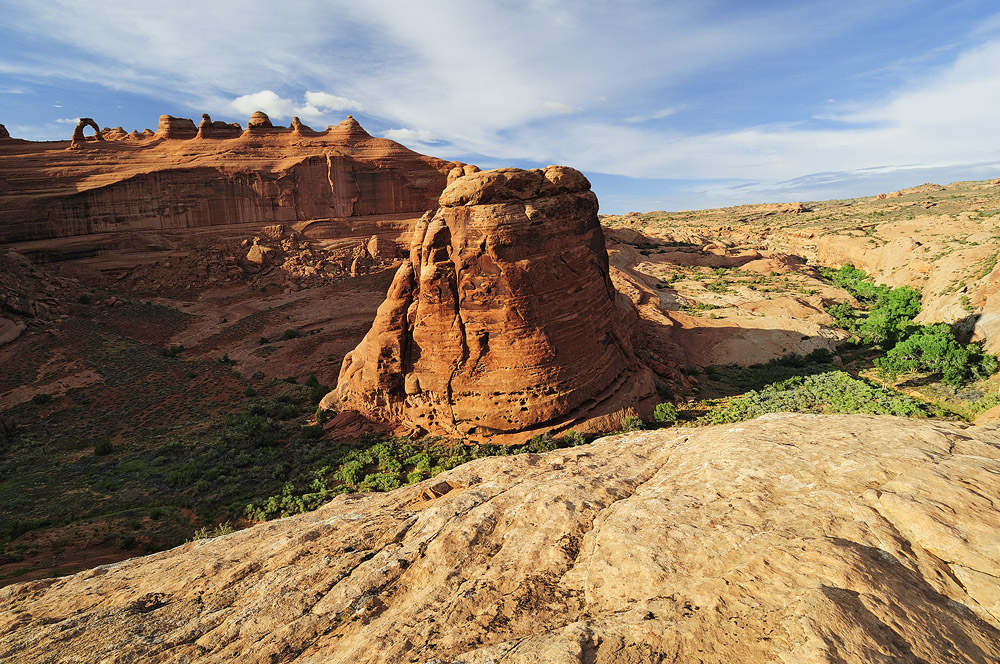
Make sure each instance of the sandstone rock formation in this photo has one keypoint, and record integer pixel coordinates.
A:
(794, 538)
(79, 140)
(176, 128)
(504, 319)
(218, 129)
(3, 132)
(275, 175)
(259, 120)
(297, 126)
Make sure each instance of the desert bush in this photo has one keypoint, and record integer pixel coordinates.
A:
(631, 423)
(829, 392)
(540, 443)
(103, 447)
(172, 351)
(933, 349)
(665, 413)
(381, 482)
(206, 532)
(290, 334)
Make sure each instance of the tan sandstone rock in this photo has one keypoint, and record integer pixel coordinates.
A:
(176, 128)
(793, 538)
(504, 320)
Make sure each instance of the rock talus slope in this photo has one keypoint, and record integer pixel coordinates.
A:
(793, 538)
(504, 320)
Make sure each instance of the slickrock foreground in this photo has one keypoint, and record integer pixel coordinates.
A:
(504, 320)
(792, 538)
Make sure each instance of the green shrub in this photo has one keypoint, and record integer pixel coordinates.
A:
(311, 431)
(829, 392)
(103, 447)
(352, 472)
(41, 398)
(933, 349)
(382, 482)
(250, 392)
(172, 351)
(539, 443)
(263, 341)
(665, 413)
(632, 423)
(290, 334)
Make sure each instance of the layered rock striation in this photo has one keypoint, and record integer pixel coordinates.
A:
(793, 538)
(504, 320)
(175, 180)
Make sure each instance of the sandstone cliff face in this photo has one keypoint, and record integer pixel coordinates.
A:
(504, 320)
(794, 538)
(225, 176)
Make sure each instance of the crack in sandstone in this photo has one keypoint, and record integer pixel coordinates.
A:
(602, 515)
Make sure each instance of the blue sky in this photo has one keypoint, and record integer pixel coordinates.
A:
(664, 105)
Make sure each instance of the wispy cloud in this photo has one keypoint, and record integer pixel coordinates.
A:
(718, 91)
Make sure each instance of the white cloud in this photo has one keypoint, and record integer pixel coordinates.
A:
(410, 136)
(71, 121)
(491, 91)
(328, 102)
(656, 115)
(318, 106)
(267, 101)
(557, 107)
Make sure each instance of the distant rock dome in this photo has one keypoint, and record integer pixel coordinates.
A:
(259, 120)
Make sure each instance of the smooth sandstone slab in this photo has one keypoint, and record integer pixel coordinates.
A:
(767, 541)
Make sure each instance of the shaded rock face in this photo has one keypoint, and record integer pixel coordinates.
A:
(504, 319)
(3, 132)
(793, 538)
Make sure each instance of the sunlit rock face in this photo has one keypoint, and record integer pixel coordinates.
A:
(187, 176)
(504, 319)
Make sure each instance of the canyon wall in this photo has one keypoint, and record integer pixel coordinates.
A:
(188, 177)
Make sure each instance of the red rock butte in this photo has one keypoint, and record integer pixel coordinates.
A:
(504, 321)
(186, 176)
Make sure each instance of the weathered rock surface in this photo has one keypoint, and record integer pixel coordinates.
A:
(504, 319)
(79, 139)
(794, 538)
(269, 174)
(217, 129)
(3, 132)
(178, 128)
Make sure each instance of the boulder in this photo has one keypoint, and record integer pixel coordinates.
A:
(503, 321)
(382, 249)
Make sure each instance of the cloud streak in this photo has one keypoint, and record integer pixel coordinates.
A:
(645, 90)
